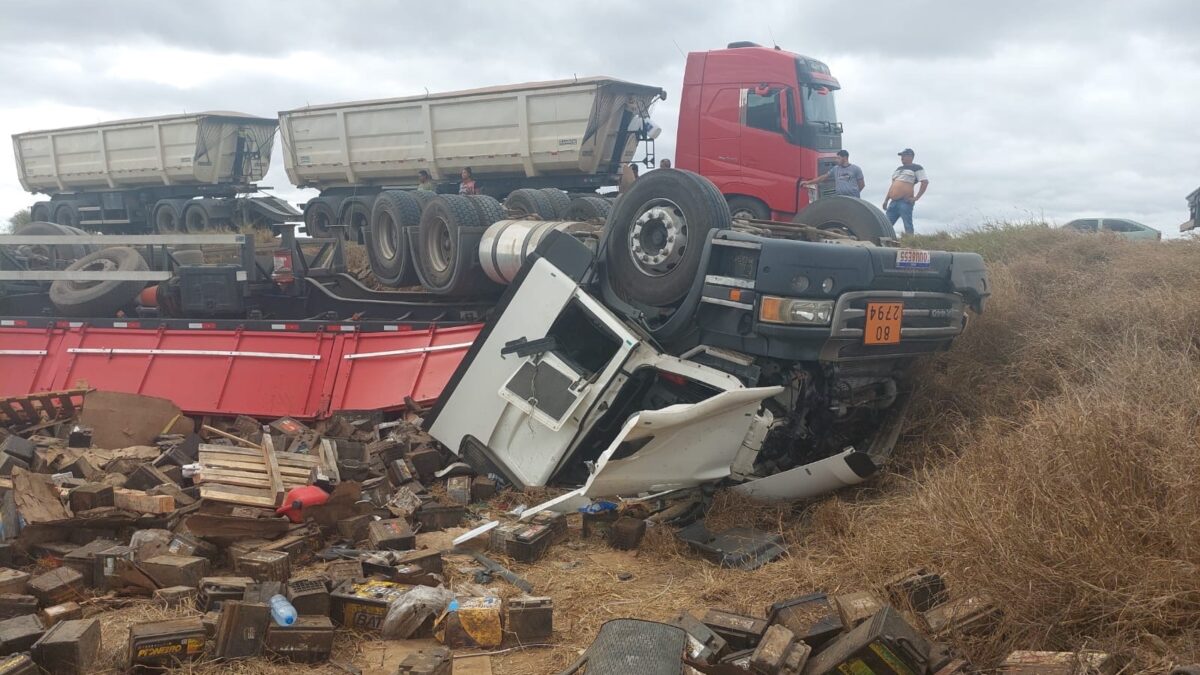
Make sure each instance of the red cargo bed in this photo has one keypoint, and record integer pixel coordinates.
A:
(305, 370)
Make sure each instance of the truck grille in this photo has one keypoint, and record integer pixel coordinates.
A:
(823, 166)
(926, 315)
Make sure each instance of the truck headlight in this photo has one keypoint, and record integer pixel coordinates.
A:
(773, 309)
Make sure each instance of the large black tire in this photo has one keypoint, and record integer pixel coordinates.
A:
(447, 252)
(40, 212)
(67, 253)
(66, 213)
(356, 216)
(847, 215)
(423, 197)
(656, 234)
(320, 215)
(167, 216)
(99, 299)
(588, 207)
(748, 208)
(530, 202)
(560, 202)
(490, 211)
(394, 212)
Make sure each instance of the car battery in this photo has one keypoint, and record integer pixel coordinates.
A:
(917, 589)
(19, 633)
(57, 586)
(435, 661)
(241, 547)
(264, 565)
(83, 559)
(426, 460)
(18, 664)
(529, 619)
(458, 490)
(780, 652)
(855, 608)
(391, 535)
(811, 618)
(740, 631)
(308, 596)
(482, 488)
(968, 615)
(67, 611)
(626, 534)
(362, 605)
(470, 622)
(339, 571)
(435, 516)
(885, 645)
(298, 547)
(599, 524)
(210, 290)
(215, 590)
(704, 645)
(354, 528)
(13, 604)
(158, 645)
(555, 522)
(308, 640)
(400, 471)
(69, 648)
(528, 543)
(104, 564)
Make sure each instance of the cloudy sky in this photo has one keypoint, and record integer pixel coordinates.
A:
(1018, 110)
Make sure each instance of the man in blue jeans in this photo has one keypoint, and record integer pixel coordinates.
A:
(902, 194)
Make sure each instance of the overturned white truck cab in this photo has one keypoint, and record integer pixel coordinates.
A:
(746, 375)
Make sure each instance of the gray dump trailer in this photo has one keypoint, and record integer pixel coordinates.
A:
(172, 174)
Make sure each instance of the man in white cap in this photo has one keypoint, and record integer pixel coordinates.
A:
(900, 197)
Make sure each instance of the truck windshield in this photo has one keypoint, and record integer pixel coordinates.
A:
(818, 105)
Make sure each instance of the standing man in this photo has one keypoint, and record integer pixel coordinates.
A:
(847, 178)
(900, 198)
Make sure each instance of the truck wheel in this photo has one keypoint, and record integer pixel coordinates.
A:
(197, 219)
(588, 207)
(392, 215)
(847, 215)
(320, 215)
(168, 216)
(490, 211)
(448, 245)
(423, 197)
(656, 234)
(99, 298)
(66, 214)
(530, 202)
(559, 201)
(748, 208)
(43, 252)
(40, 212)
(356, 216)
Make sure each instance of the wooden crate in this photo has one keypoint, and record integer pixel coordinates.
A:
(251, 477)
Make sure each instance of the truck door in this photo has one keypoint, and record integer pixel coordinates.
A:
(520, 398)
(719, 135)
(770, 162)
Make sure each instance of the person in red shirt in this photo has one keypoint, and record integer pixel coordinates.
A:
(467, 186)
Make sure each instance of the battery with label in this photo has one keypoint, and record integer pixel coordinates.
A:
(162, 644)
(884, 645)
(363, 605)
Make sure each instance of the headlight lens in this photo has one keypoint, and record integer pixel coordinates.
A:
(774, 309)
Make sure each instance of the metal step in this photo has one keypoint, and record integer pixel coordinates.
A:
(104, 222)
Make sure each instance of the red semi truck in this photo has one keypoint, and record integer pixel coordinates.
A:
(757, 122)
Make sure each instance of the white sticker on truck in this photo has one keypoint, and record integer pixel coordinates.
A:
(908, 258)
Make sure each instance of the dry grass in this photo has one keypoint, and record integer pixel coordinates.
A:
(1050, 464)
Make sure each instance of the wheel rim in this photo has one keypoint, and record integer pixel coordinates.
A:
(387, 238)
(441, 246)
(321, 224)
(659, 237)
(98, 265)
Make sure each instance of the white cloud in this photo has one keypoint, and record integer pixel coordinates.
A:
(1021, 109)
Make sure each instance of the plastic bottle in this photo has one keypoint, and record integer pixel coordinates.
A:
(282, 610)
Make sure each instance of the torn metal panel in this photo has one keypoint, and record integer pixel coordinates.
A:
(850, 467)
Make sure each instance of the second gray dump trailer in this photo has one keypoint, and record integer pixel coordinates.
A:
(531, 145)
(177, 173)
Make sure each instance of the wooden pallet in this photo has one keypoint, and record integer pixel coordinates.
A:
(250, 477)
(36, 409)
